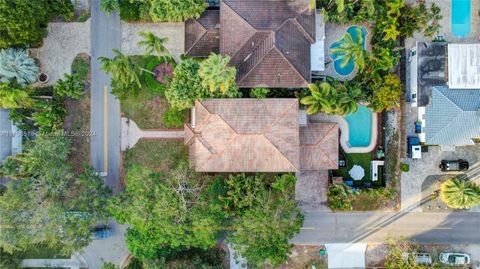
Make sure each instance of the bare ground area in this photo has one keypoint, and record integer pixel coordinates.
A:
(303, 257)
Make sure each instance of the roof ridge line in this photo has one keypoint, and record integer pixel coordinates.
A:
(281, 153)
(224, 149)
(456, 116)
(448, 98)
(198, 40)
(284, 112)
(259, 61)
(302, 29)
(294, 68)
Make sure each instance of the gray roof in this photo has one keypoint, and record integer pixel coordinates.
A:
(430, 69)
(5, 134)
(453, 116)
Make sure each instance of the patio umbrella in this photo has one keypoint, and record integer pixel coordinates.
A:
(357, 172)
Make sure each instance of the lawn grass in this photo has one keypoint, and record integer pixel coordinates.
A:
(41, 252)
(81, 66)
(146, 109)
(158, 155)
(362, 159)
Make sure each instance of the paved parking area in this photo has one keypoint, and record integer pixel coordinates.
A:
(419, 178)
(311, 190)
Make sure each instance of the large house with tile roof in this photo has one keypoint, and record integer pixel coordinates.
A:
(251, 135)
(268, 41)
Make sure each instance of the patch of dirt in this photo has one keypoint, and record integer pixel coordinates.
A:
(303, 257)
(375, 255)
(162, 71)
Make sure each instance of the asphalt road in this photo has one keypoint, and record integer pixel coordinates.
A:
(105, 108)
(371, 227)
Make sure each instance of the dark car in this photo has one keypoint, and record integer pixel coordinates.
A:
(102, 232)
(454, 165)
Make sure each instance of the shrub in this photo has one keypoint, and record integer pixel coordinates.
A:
(81, 67)
(338, 197)
(109, 6)
(404, 167)
(131, 11)
(259, 93)
(217, 77)
(173, 118)
(176, 10)
(185, 86)
(15, 64)
(149, 80)
(71, 86)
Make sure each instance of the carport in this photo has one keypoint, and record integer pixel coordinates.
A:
(346, 255)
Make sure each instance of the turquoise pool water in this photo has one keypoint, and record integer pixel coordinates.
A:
(460, 18)
(360, 127)
(348, 69)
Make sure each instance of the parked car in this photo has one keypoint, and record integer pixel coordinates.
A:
(454, 165)
(414, 148)
(454, 258)
(101, 232)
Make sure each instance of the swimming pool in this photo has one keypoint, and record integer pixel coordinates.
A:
(461, 18)
(360, 127)
(348, 69)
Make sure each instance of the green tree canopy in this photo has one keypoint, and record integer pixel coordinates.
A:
(185, 86)
(461, 194)
(153, 44)
(71, 86)
(24, 22)
(45, 205)
(14, 97)
(266, 219)
(332, 98)
(166, 213)
(217, 77)
(387, 92)
(351, 50)
(176, 10)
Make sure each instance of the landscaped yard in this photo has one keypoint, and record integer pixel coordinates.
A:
(362, 159)
(148, 107)
(158, 155)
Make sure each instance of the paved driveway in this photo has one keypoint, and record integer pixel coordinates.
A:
(427, 166)
(311, 190)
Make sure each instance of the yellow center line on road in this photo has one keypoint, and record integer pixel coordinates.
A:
(105, 128)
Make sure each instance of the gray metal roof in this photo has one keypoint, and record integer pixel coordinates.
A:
(5, 134)
(453, 116)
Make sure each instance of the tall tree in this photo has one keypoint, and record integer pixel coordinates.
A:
(262, 231)
(217, 76)
(331, 99)
(166, 213)
(351, 49)
(23, 22)
(185, 86)
(387, 92)
(154, 44)
(176, 10)
(42, 207)
(461, 194)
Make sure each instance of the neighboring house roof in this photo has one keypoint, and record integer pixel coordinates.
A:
(319, 146)
(268, 41)
(452, 117)
(464, 66)
(251, 135)
(202, 34)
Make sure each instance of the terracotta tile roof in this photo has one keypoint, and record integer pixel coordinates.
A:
(250, 135)
(202, 35)
(245, 135)
(319, 146)
(269, 41)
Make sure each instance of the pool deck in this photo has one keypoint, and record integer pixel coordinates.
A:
(333, 33)
(344, 131)
(446, 23)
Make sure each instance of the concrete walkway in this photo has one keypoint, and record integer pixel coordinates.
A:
(72, 263)
(345, 131)
(131, 133)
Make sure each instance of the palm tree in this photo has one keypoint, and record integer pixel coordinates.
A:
(322, 98)
(457, 193)
(351, 50)
(121, 67)
(154, 44)
(216, 75)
